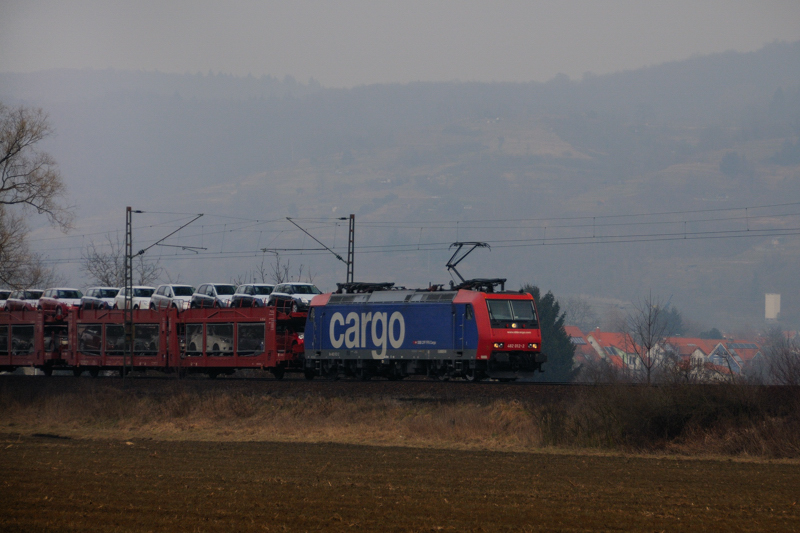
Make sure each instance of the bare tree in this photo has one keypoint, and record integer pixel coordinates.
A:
(645, 332)
(105, 265)
(29, 179)
(281, 272)
(782, 355)
(681, 369)
(579, 312)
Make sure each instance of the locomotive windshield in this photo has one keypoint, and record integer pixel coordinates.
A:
(505, 313)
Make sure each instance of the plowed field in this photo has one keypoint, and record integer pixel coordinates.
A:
(58, 484)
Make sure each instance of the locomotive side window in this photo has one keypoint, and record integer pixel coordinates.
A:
(469, 313)
(504, 313)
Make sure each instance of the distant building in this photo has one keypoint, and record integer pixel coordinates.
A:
(772, 306)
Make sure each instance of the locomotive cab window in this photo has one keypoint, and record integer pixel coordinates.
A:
(512, 314)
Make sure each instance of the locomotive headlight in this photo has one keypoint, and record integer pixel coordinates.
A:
(514, 325)
(498, 345)
(533, 345)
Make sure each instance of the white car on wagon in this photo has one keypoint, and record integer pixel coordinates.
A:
(140, 299)
(172, 295)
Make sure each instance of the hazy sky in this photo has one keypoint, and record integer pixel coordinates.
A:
(353, 42)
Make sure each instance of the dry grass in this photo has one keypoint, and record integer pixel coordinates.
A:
(692, 421)
(248, 416)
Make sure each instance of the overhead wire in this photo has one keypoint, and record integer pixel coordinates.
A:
(247, 225)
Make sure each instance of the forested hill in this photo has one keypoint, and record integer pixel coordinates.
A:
(704, 133)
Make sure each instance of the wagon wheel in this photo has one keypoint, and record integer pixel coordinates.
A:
(94, 372)
(278, 372)
(77, 372)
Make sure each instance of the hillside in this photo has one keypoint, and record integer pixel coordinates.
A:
(426, 164)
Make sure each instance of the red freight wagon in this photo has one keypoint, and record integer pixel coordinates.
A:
(210, 341)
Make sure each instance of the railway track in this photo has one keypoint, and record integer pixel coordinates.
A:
(415, 389)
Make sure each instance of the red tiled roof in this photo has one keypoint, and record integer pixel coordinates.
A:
(573, 331)
(687, 345)
(745, 353)
(612, 339)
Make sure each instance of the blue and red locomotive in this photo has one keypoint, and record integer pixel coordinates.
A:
(366, 331)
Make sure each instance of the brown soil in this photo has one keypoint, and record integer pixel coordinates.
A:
(232, 455)
(57, 484)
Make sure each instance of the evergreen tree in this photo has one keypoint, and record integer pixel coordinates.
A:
(555, 341)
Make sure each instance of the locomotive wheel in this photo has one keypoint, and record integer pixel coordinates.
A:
(331, 372)
(278, 372)
(473, 375)
(364, 374)
(309, 374)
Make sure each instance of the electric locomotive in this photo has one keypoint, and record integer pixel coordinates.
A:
(469, 331)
